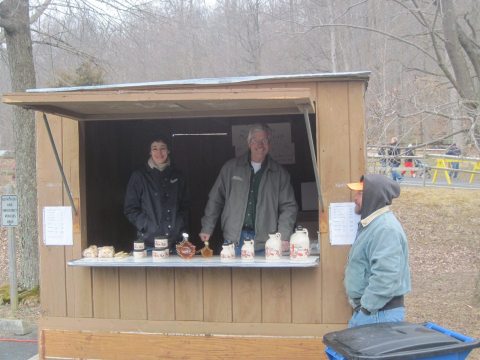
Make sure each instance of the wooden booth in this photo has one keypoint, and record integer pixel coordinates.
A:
(190, 309)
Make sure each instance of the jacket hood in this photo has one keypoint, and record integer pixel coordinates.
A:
(378, 192)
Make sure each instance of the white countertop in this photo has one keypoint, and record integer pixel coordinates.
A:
(196, 261)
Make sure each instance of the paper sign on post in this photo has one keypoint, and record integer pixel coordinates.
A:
(343, 223)
(57, 225)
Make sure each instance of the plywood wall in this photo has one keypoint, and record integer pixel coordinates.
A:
(340, 121)
(53, 294)
(65, 291)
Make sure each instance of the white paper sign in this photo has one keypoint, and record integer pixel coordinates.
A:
(343, 223)
(57, 225)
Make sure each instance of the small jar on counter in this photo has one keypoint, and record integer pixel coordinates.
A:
(138, 245)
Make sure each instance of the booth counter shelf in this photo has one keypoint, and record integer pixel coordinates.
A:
(195, 262)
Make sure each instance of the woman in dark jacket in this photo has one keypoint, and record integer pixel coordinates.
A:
(157, 201)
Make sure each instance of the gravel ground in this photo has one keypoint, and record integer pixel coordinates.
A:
(442, 226)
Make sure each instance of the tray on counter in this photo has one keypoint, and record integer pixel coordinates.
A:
(196, 261)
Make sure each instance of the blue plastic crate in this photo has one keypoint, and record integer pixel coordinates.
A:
(398, 341)
(332, 355)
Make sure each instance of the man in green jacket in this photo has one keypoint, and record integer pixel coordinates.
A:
(254, 196)
(377, 275)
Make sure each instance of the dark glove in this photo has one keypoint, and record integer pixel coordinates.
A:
(365, 311)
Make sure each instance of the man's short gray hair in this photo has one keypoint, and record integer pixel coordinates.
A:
(259, 127)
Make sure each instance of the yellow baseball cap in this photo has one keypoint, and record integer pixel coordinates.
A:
(357, 186)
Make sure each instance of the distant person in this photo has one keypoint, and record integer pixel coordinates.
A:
(383, 160)
(377, 274)
(156, 200)
(253, 195)
(409, 161)
(454, 150)
(394, 159)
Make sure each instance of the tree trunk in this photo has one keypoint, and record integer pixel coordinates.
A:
(333, 40)
(14, 18)
(463, 79)
(256, 39)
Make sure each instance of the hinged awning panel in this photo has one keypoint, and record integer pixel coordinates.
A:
(158, 104)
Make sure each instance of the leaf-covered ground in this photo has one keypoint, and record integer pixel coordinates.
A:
(443, 229)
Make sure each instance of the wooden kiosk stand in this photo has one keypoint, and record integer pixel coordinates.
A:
(101, 134)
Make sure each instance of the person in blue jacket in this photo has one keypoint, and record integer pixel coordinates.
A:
(377, 275)
(454, 150)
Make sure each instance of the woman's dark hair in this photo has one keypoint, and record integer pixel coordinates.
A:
(162, 139)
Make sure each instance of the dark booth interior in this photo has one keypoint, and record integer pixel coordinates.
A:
(199, 148)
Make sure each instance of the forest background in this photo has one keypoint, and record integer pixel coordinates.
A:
(424, 58)
(89, 42)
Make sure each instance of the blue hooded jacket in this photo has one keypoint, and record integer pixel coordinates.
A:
(377, 269)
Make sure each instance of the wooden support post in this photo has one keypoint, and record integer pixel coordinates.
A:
(12, 269)
(12, 264)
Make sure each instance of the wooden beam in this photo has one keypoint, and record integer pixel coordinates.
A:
(188, 327)
(191, 114)
(293, 94)
(157, 104)
(140, 346)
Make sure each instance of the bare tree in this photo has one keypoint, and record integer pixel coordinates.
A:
(249, 36)
(449, 40)
(14, 19)
(463, 51)
(15, 22)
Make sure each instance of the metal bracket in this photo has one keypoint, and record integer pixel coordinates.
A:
(304, 109)
(60, 167)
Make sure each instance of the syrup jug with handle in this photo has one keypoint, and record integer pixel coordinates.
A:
(228, 251)
(273, 246)
(299, 244)
(248, 250)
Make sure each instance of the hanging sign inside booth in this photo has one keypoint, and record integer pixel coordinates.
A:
(9, 210)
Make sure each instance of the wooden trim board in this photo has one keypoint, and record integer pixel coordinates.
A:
(117, 345)
(188, 327)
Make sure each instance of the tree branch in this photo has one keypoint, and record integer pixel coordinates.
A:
(472, 28)
(473, 53)
(463, 83)
(424, 71)
(366, 28)
(431, 142)
(63, 45)
(6, 20)
(349, 8)
(436, 113)
(416, 14)
(433, 38)
(39, 10)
